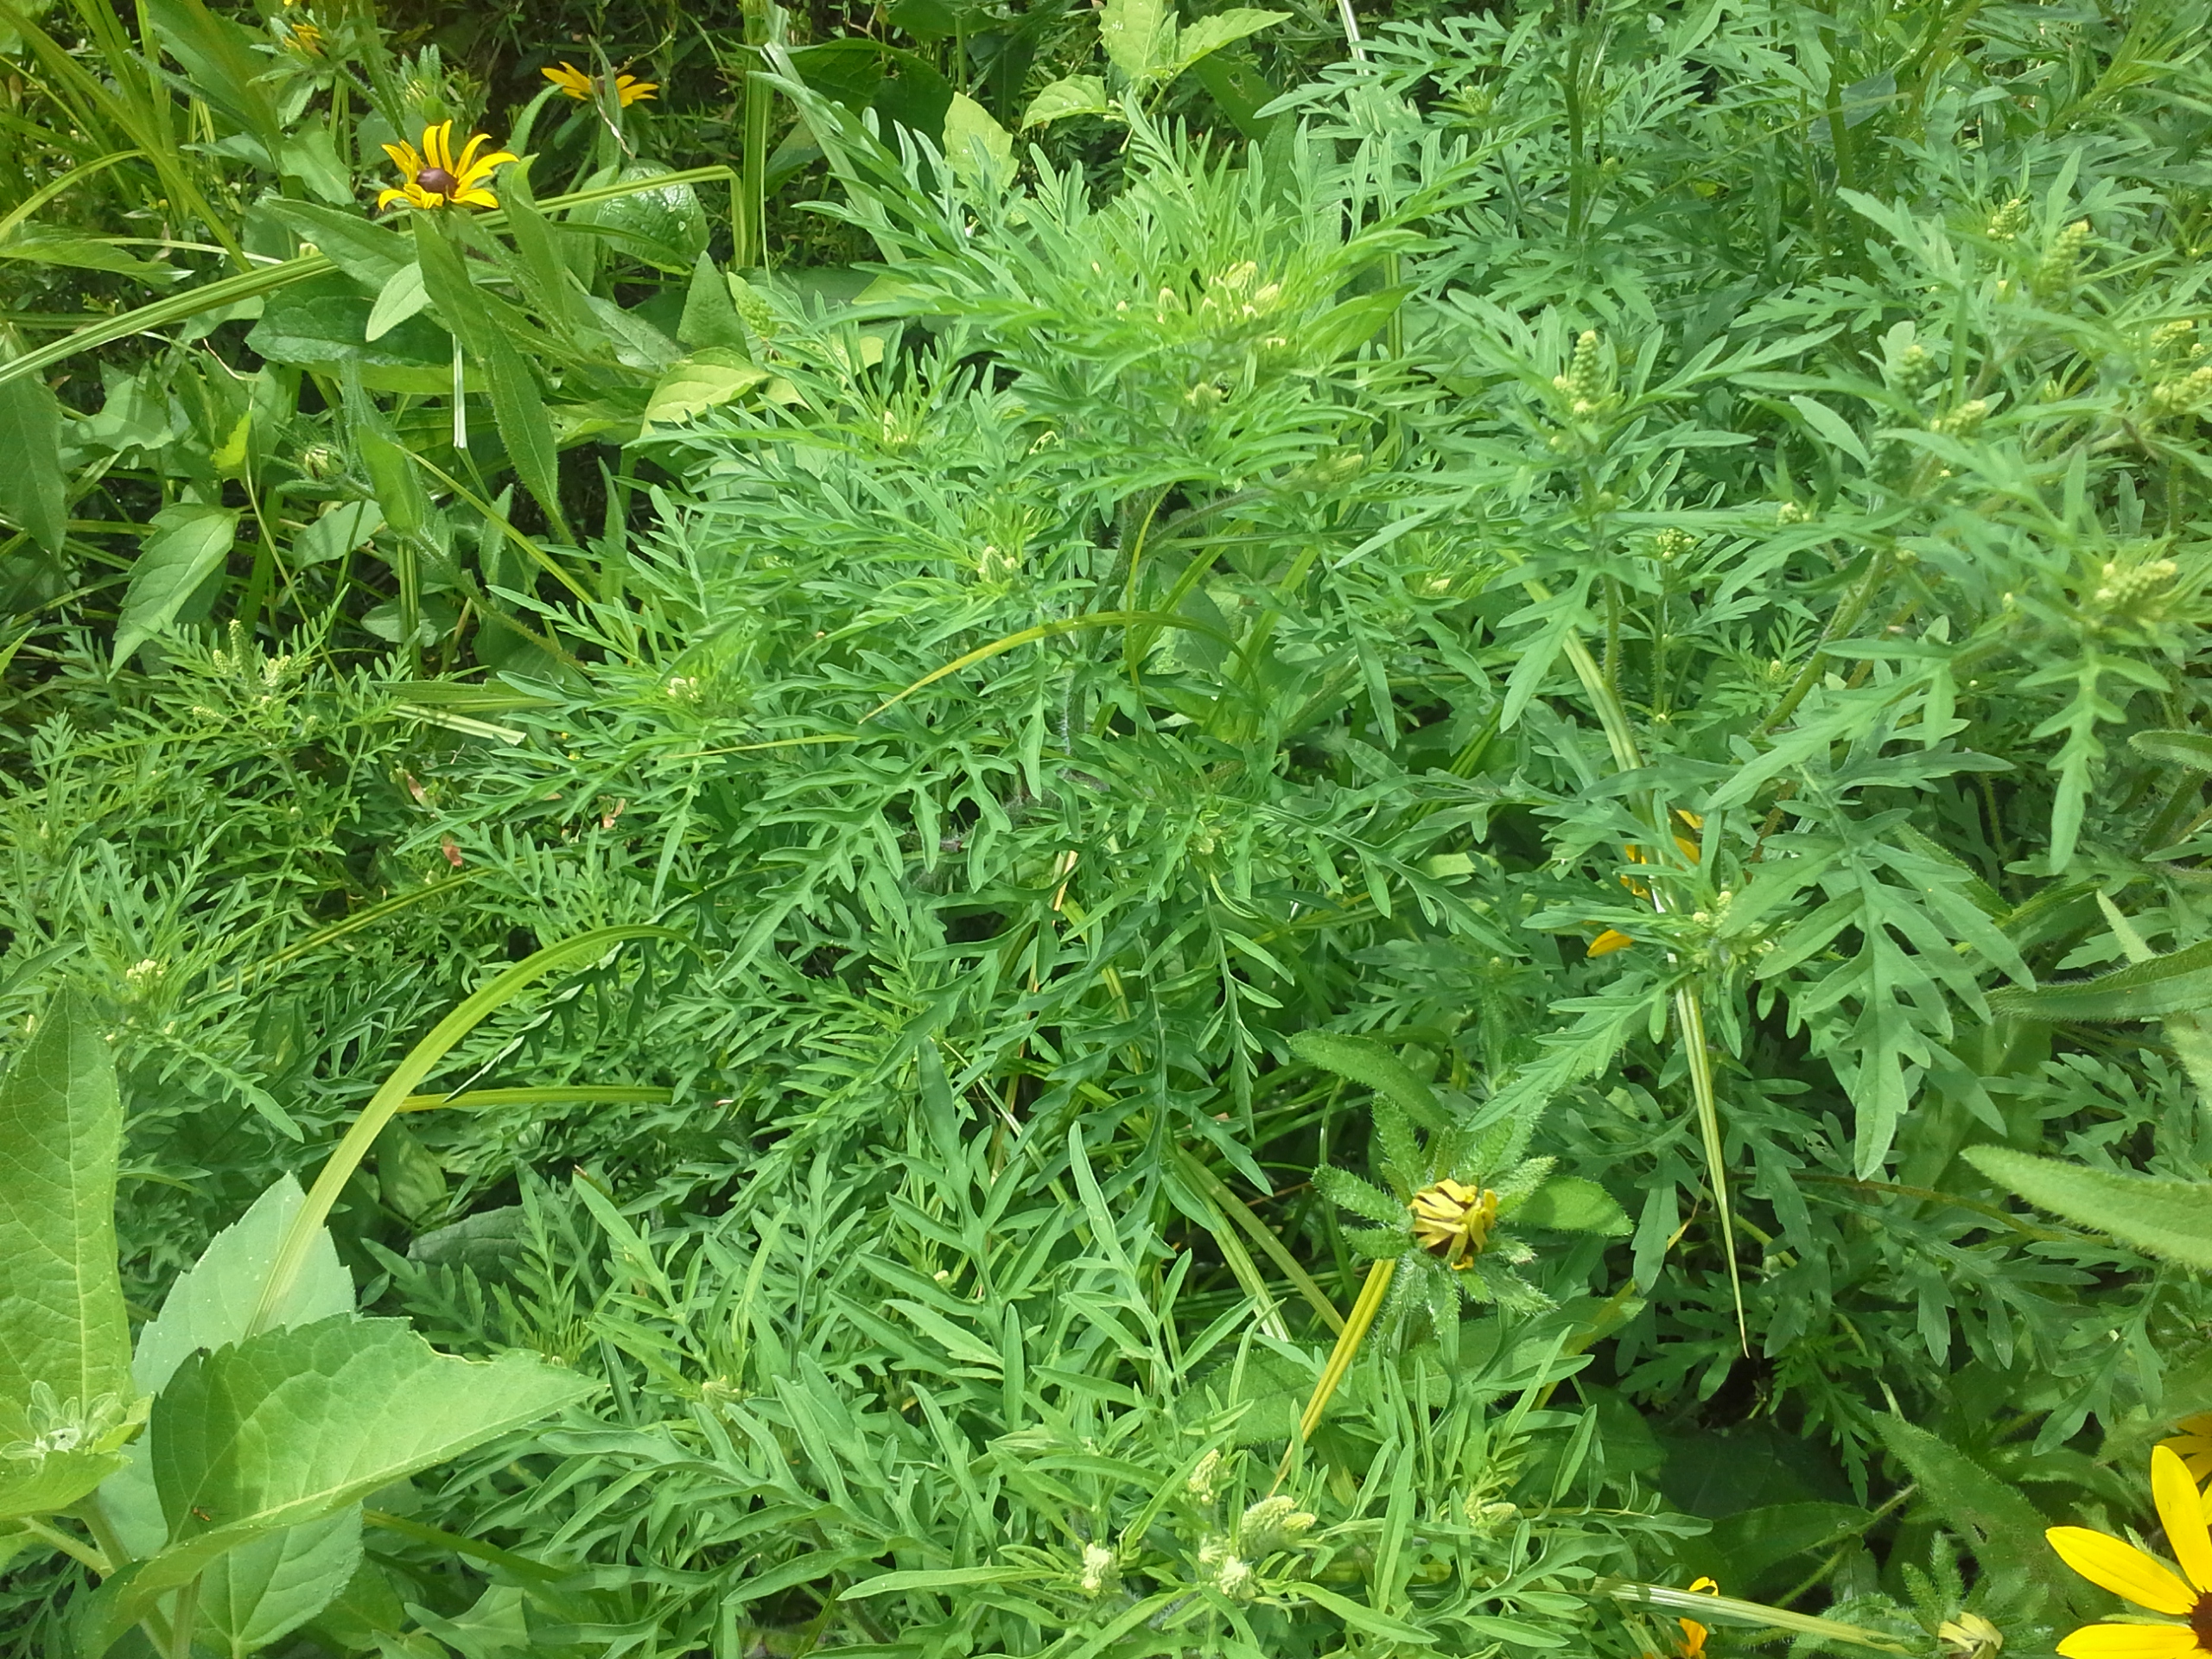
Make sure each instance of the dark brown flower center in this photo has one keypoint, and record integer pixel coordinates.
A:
(438, 180)
(2200, 1622)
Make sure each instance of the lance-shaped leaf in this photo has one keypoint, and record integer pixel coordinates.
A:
(1572, 1204)
(65, 1342)
(1365, 1061)
(2180, 982)
(2161, 1217)
(292, 1427)
(189, 545)
(31, 492)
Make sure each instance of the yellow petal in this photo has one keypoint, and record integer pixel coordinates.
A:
(2121, 1568)
(477, 198)
(404, 158)
(1704, 1587)
(1693, 1635)
(2130, 1642)
(476, 142)
(1608, 942)
(2182, 1513)
(385, 198)
(437, 144)
(484, 167)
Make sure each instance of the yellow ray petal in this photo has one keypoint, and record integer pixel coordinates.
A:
(476, 142)
(2181, 1510)
(1608, 942)
(404, 158)
(2122, 1568)
(437, 144)
(483, 167)
(385, 198)
(477, 198)
(2129, 1641)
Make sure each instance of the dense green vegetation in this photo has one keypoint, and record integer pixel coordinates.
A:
(1114, 833)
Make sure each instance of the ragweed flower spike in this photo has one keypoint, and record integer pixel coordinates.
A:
(2145, 1580)
(584, 88)
(435, 177)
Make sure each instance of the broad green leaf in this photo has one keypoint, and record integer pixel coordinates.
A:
(312, 158)
(337, 532)
(1138, 36)
(2180, 982)
(269, 1588)
(1210, 34)
(210, 1306)
(366, 251)
(1074, 95)
(2191, 749)
(400, 298)
(710, 313)
(325, 322)
(65, 1342)
(291, 1426)
(1572, 1204)
(32, 493)
(1367, 1062)
(2161, 1217)
(975, 147)
(699, 382)
(294, 1425)
(189, 544)
(519, 409)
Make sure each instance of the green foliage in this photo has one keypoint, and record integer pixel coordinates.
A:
(1603, 604)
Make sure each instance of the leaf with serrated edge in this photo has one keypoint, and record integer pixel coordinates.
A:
(1210, 34)
(60, 1297)
(211, 1305)
(267, 1589)
(1076, 95)
(187, 546)
(290, 1427)
(1131, 31)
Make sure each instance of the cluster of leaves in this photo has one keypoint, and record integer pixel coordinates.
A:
(1646, 561)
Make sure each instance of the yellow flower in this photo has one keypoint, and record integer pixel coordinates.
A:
(1452, 1220)
(1694, 1633)
(2143, 1579)
(1606, 942)
(304, 38)
(435, 178)
(2192, 1443)
(583, 87)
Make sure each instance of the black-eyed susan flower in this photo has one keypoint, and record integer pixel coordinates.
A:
(2192, 1444)
(585, 87)
(2137, 1576)
(305, 39)
(1452, 1220)
(435, 177)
